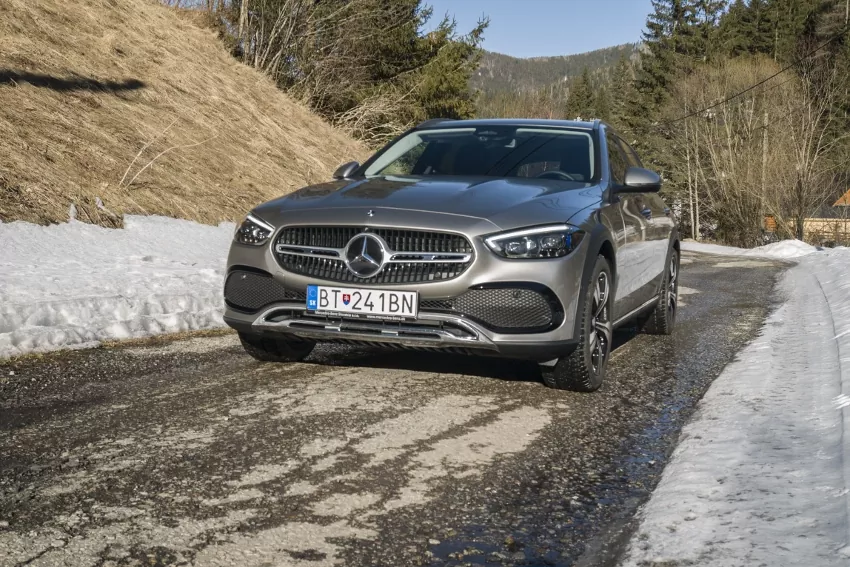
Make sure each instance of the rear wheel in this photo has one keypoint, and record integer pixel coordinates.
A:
(662, 319)
(275, 349)
(584, 369)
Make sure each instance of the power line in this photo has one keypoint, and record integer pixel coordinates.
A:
(760, 83)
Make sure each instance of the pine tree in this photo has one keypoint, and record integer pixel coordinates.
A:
(832, 22)
(580, 99)
(441, 87)
(625, 96)
(707, 14)
(735, 29)
(796, 22)
(771, 27)
(602, 105)
(670, 32)
(762, 35)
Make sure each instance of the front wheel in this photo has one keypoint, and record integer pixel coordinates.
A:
(273, 349)
(662, 319)
(584, 369)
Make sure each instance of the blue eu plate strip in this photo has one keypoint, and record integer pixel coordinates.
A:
(312, 297)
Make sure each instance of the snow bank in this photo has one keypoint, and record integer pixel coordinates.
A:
(761, 474)
(76, 284)
(782, 250)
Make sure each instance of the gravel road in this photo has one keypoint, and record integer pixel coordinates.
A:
(189, 452)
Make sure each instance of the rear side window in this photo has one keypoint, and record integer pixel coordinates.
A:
(616, 160)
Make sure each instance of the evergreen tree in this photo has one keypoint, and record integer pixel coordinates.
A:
(797, 23)
(736, 29)
(772, 27)
(761, 27)
(602, 104)
(580, 100)
(441, 87)
(833, 23)
(625, 96)
(707, 14)
(670, 31)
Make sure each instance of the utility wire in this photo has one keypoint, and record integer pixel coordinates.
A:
(760, 83)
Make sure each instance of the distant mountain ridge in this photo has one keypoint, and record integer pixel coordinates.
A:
(503, 73)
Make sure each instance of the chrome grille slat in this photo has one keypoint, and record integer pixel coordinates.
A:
(423, 256)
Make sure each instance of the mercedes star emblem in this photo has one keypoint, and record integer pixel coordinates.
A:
(364, 255)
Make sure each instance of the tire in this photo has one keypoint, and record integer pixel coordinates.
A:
(662, 319)
(270, 349)
(583, 370)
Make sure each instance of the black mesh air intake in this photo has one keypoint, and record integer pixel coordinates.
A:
(510, 309)
(249, 291)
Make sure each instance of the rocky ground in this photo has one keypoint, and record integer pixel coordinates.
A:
(189, 452)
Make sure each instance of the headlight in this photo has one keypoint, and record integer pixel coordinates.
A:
(551, 241)
(253, 231)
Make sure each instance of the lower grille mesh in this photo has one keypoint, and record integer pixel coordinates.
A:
(249, 291)
(502, 308)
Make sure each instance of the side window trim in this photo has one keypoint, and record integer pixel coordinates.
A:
(614, 146)
(632, 157)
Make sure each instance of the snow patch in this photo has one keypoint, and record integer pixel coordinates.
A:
(783, 250)
(761, 474)
(76, 284)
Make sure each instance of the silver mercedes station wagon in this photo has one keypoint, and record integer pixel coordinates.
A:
(529, 239)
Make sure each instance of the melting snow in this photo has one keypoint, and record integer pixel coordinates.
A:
(761, 474)
(782, 250)
(76, 284)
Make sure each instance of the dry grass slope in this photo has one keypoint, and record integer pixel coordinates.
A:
(132, 103)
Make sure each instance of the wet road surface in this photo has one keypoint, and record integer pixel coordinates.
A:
(189, 452)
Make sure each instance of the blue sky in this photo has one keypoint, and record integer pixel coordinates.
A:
(528, 28)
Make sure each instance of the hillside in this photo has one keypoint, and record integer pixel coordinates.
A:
(499, 72)
(132, 104)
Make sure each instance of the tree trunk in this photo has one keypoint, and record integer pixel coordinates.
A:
(696, 188)
(243, 17)
(763, 164)
(801, 213)
(690, 182)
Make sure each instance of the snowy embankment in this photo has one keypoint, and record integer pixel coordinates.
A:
(76, 284)
(761, 474)
(782, 250)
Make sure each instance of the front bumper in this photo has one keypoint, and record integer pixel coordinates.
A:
(431, 331)
(436, 327)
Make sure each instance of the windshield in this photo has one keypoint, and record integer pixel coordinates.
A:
(490, 151)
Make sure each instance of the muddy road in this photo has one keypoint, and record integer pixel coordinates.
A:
(191, 453)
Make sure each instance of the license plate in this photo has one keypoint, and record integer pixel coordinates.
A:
(366, 303)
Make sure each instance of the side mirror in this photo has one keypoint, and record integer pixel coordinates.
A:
(345, 170)
(640, 180)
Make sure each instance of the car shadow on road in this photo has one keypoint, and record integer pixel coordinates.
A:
(440, 362)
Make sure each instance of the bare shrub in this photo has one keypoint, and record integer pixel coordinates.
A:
(758, 155)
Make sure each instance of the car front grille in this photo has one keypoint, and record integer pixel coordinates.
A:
(416, 255)
(515, 309)
(250, 290)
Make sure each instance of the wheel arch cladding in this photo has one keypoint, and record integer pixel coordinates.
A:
(601, 244)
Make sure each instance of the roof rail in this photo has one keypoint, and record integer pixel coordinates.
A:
(433, 121)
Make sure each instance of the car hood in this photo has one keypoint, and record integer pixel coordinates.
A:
(506, 203)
